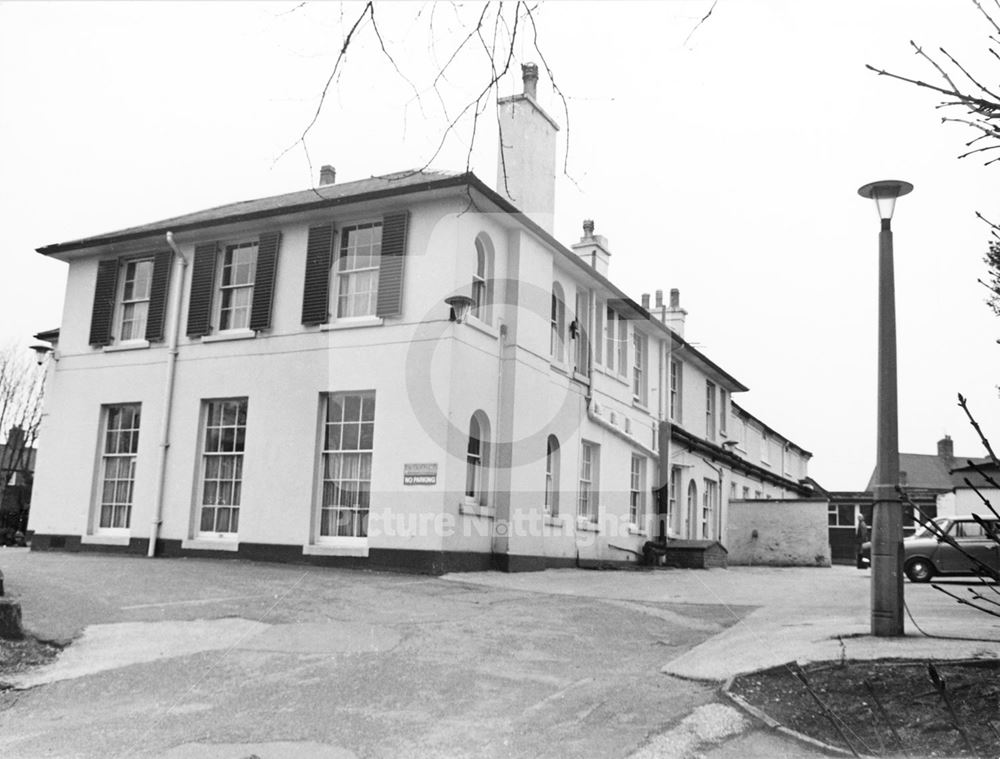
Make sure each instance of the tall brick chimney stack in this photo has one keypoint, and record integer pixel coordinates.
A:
(946, 450)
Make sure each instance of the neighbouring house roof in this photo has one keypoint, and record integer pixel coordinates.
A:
(923, 470)
(976, 475)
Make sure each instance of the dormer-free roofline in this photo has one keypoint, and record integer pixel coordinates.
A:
(386, 187)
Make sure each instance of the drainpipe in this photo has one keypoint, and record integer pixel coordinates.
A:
(173, 331)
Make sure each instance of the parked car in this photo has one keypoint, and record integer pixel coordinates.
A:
(926, 555)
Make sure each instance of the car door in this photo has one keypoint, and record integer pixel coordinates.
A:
(974, 542)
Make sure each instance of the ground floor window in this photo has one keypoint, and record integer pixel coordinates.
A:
(589, 463)
(673, 499)
(637, 490)
(222, 466)
(118, 456)
(709, 504)
(552, 476)
(348, 443)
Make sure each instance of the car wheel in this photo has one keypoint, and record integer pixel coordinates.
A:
(919, 570)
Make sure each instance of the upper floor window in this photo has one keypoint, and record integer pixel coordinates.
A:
(552, 476)
(598, 339)
(765, 447)
(581, 333)
(709, 410)
(723, 409)
(676, 376)
(557, 339)
(609, 327)
(639, 374)
(477, 459)
(129, 298)
(232, 284)
(482, 280)
(137, 279)
(358, 269)
(622, 343)
(366, 280)
(238, 267)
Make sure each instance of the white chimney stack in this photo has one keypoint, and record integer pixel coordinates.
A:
(674, 315)
(593, 248)
(526, 159)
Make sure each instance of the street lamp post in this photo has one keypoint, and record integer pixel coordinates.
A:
(887, 521)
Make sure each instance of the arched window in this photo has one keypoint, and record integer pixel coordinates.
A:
(692, 509)
(477, 459)
(552, 476)
(482, 280)
(557, 343)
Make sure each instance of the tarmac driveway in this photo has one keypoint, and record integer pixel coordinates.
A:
(192, 658)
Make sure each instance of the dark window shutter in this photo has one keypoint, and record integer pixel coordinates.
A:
(316, 292)
(202, 283)
(263, 284)
(158, 294)
(390, 273)
(104, 302)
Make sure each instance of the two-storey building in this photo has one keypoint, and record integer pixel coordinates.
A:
(402, 371)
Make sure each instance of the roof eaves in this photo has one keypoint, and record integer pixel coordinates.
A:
(773, 431)
(158, 228)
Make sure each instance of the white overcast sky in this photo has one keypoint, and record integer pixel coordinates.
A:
(725, 165)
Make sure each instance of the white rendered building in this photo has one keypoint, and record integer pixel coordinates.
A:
(283, 379)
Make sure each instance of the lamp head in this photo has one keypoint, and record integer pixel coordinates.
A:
(40, 352)
(884, 193)
(460, 305)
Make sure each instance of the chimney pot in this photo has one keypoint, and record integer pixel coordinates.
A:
(588, 227)
(327, 175)
(529, 75)
(645, 301)
(675, 298)
(659, 298)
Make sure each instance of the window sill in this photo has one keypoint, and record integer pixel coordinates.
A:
(638, 404)
(633, 530)
(485, 327)
(581, 378)
(127, 345)
(558, 367)
(584, 524)
(337, 547)
(352, 322)
(473, 510)
(210, 544)
(106, 539)
(554, 521)
(229, 334)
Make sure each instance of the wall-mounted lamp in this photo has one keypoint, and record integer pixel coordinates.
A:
(41, 351)
(460, 305)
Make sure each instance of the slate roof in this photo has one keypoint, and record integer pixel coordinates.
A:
(925, 470)
(959, 474)
(301, 200)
